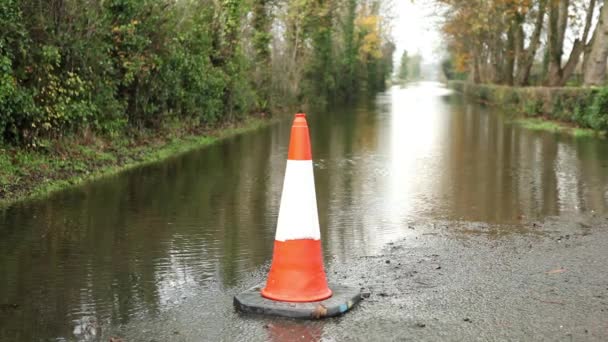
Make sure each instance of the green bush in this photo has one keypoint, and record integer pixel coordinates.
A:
(16, 102)
(114, 65)
(597, 115)
(586, 107)
(532, 107)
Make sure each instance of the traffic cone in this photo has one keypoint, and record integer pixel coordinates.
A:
(297, 286)
(297, 273)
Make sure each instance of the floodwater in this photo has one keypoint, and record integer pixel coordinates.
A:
(130, 247)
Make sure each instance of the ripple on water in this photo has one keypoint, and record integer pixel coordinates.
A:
(172, 241)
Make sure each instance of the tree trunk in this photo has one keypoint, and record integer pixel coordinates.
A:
(579, 47)
(261, 40)
(595, 71)
(475, 60)
(573, 60)
(520, 49)
(527, 59)
(588, 51)
(350, 85)
(510, 52)
(496, 59)
(558, 19)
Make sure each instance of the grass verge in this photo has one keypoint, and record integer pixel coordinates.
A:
(68, 162)
(569, 110)
(539, 124)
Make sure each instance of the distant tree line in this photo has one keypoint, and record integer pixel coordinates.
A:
(117, 66)
(524, 42)
(409, 67)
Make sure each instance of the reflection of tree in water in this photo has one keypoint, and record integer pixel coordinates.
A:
(592, 163)
(244, 200)
(493, 169)
(337, 148)
(502, 173)
(129, 245)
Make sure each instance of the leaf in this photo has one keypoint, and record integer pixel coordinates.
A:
(319, 312)
(556, 271)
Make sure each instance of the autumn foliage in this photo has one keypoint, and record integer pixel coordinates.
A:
(522, 42)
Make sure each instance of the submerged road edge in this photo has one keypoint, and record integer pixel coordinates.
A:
(48, 184)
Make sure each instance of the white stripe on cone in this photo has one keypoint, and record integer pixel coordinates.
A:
(298, 216)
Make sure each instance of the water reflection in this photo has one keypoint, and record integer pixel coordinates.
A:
(288, 331)
(500, 173)
(134, 245)
(131, 245)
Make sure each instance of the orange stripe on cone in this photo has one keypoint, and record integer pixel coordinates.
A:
(297, 273)
(299, 145)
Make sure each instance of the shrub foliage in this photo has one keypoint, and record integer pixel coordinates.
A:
(114, 66)
(586, 107)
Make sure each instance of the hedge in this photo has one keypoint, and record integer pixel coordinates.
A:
(582, 106)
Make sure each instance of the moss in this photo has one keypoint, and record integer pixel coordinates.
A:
(28, 174)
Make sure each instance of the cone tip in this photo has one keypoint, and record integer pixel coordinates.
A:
(300, 115)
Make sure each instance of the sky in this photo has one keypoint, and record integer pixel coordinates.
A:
(414, 29)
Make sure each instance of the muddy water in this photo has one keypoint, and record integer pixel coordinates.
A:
(130, 247)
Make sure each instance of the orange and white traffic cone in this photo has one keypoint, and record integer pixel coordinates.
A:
(297, 285)
(297, 273)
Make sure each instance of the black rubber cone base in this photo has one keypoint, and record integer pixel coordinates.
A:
(342, 300)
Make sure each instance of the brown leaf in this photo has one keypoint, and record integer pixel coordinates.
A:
(320, 311)
(559, 270)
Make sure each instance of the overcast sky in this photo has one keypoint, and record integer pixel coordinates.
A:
(414, 29)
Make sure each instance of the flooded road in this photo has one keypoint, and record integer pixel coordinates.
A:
(182, 236)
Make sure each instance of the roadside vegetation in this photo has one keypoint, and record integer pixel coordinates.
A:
(536, 124)
(546, 58)
(409, 67)
(584, 107)
(31, 173)
(85, 84)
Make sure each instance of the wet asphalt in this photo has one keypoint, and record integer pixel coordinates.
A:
(445, 281)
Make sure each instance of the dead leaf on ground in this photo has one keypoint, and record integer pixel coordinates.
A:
(320, 311)
(556, 271)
